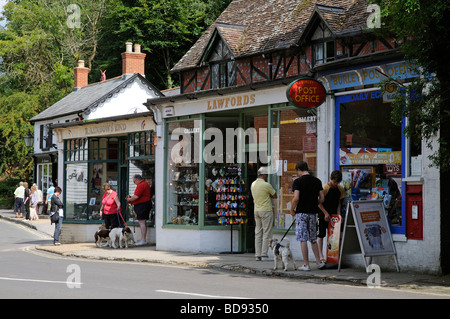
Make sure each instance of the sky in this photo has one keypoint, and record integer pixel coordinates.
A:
(2, 3)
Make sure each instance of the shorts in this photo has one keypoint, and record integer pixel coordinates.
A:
(142, 210)
(323, 226)
(306, 227)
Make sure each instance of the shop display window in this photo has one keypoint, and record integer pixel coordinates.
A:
(370, 152)
(298, 142)
(76, 192)
(141, 144)
(225, 195)
(91, 162)
(183, 173)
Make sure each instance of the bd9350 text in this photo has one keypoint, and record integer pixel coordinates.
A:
(246, 308)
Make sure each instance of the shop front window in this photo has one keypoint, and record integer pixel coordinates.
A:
(89, 164)
(370, 152)
(298, 142)
(92, 162)
(226, 190)
(76, 192)
(183, 174)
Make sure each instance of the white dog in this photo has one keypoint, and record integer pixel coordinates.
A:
(120, 237)
(126, 237)
(114, 237)
(281, 253)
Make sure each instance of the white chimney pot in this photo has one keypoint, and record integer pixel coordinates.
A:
(129, 47)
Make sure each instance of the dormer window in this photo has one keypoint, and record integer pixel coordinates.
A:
(222, 65)
(324, 45)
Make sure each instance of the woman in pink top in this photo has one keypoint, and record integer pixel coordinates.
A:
(110, 205)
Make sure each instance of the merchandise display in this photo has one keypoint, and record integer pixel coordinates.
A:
(230, 200)
(184, 185)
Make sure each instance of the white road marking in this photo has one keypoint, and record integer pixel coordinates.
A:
(198, 295)
(40, 280)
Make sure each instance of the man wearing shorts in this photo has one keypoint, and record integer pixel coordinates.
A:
(142, 202)
(308, 193)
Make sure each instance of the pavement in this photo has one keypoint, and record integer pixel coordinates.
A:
(238, 262)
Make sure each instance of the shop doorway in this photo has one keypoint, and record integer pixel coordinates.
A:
(258, 120)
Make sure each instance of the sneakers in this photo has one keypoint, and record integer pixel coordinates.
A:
(141, 243)
(263, 258)
(305, 268)
(321, 265)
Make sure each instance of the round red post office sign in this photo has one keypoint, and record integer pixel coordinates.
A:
(306, 93)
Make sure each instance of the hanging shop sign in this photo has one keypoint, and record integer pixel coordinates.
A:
(306, 93)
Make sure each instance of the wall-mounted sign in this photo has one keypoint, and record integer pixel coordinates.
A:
(169, 111)
(399, 71)
(306, 93)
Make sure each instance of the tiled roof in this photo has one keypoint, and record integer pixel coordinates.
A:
(258, 26)
(90, 96)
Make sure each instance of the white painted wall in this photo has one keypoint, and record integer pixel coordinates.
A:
(128, 101)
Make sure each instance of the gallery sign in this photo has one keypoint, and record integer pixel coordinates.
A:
(306, 93)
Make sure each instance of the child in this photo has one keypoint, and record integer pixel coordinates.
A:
(334, 193)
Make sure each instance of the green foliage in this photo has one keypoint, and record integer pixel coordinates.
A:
(420, 27)
(7, 188)
(166, 29)
(39, 50)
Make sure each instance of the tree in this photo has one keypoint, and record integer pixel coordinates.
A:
(166, 29)
(43, 40)
(39, 48)
(421, 28)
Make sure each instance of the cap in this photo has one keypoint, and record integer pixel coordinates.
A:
(264, 170)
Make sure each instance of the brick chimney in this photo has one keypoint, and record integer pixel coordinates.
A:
(81, 75)
(133, 62)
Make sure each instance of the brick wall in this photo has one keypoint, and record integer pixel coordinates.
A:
(133, 62)
(257, 69)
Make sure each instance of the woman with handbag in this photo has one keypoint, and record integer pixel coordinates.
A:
(56, 214)
(110, 206)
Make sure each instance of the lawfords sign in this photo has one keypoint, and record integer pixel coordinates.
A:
(306, 93)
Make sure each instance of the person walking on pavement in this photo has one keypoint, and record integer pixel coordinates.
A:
(142, 202)
(40, 200)
(262, 193)
(333, 194)
(34, 199)
(57, 206)
(50, 192)
(19, 194)
(308, 193)
(26, 201)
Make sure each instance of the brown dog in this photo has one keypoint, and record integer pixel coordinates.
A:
(101, 235)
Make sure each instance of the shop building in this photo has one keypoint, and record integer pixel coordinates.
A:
(232, 116)
(102, 133)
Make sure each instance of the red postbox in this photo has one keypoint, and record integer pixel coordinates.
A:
(414, 212)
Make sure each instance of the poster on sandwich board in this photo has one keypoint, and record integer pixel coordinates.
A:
(369, 220)
(333, 238)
